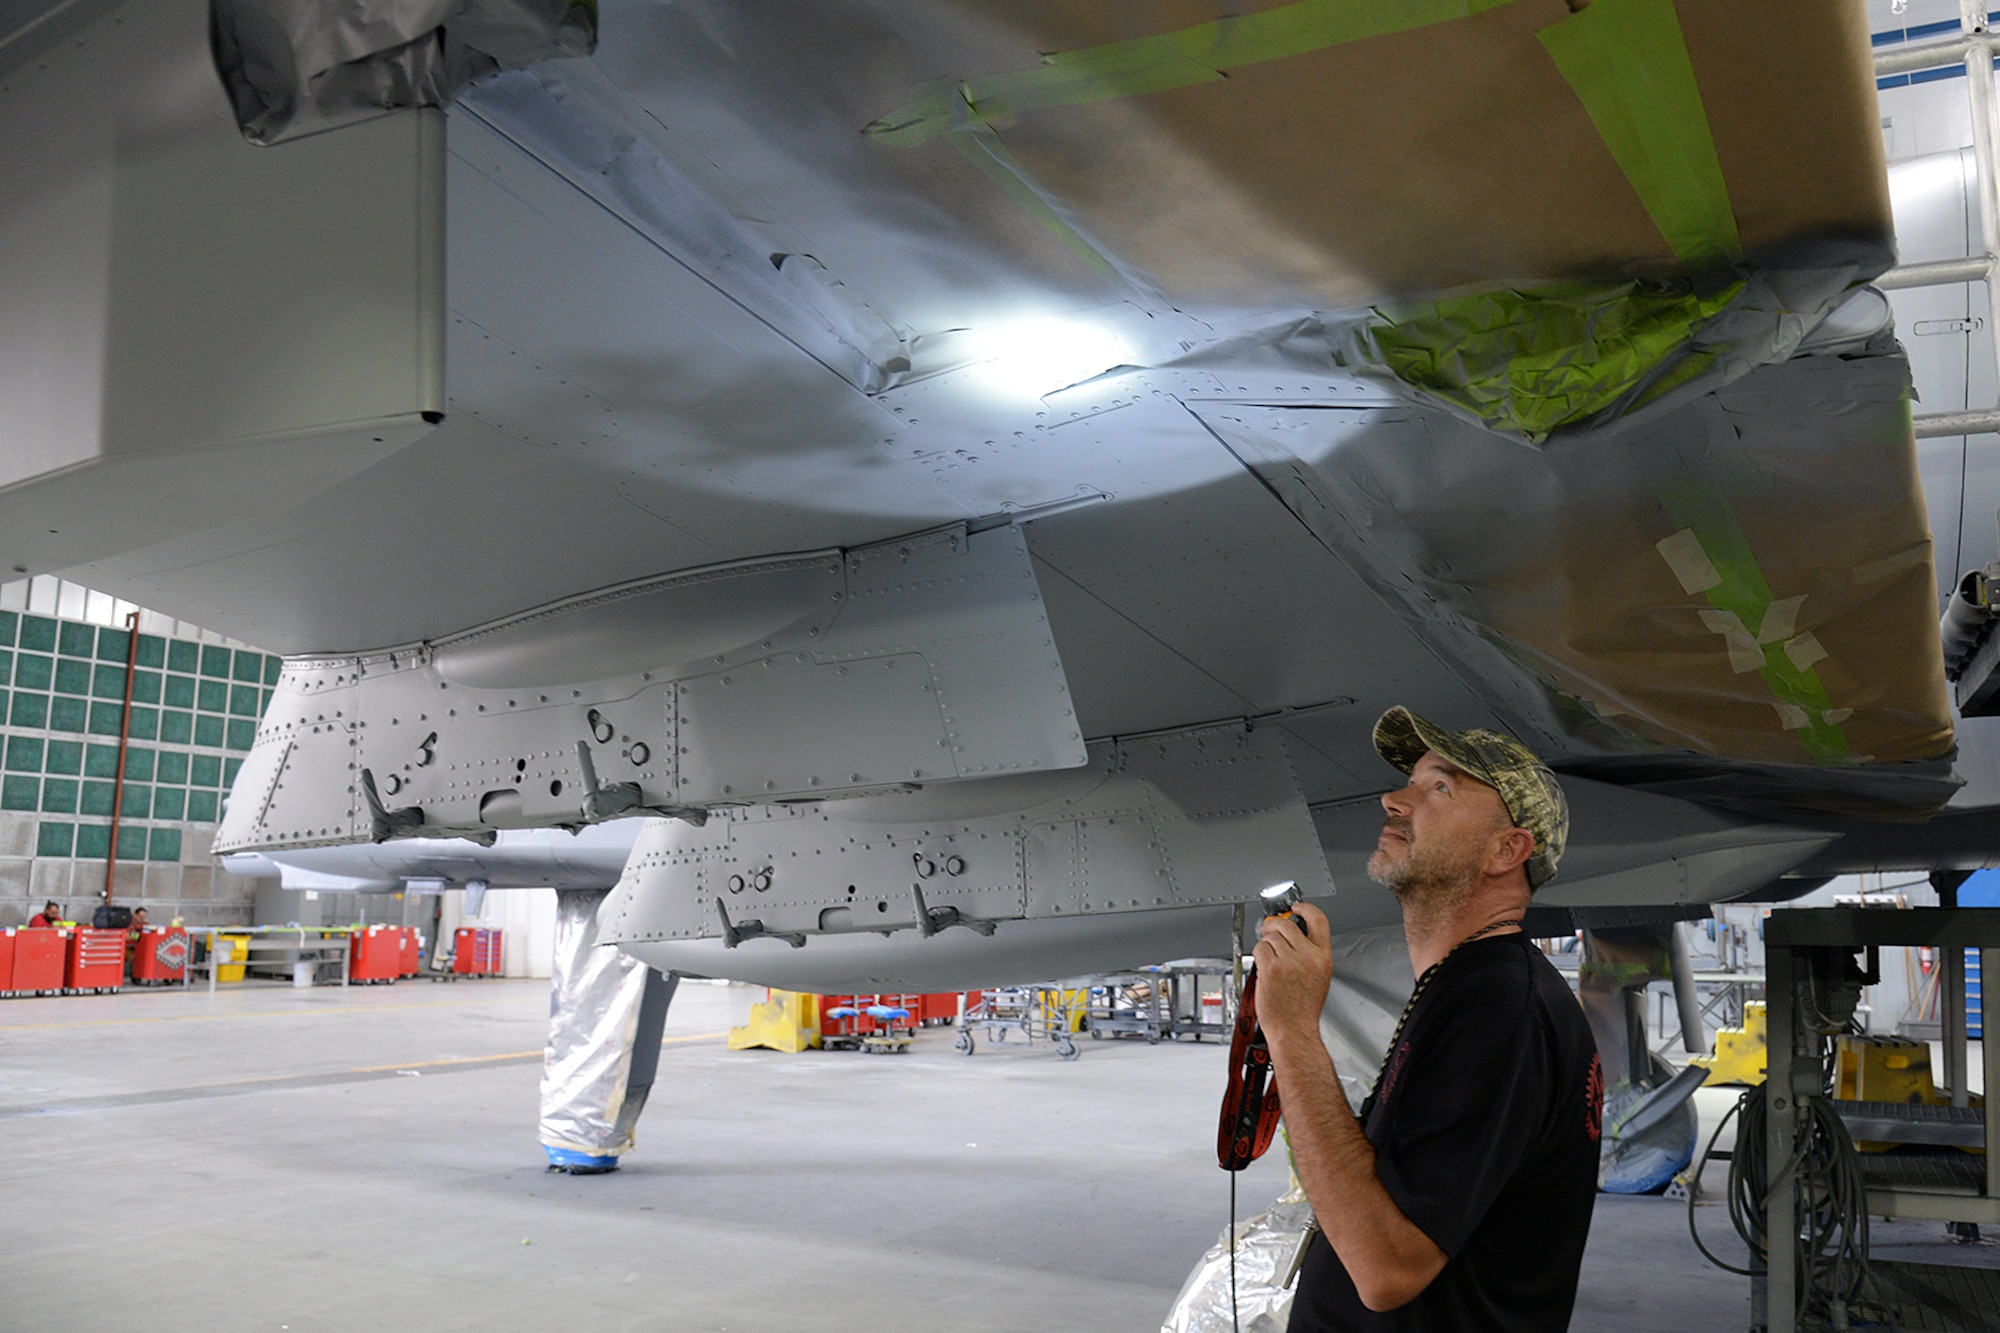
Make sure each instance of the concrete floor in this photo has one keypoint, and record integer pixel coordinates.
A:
(273, 1159)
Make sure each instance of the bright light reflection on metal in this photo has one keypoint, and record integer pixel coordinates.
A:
(1039, 356)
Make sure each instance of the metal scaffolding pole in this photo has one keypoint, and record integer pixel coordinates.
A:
(1975, 47)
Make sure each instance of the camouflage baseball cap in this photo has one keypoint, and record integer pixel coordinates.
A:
(1533, 797)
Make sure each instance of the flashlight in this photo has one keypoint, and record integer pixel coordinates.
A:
(1280, 899)
(1250, 1103)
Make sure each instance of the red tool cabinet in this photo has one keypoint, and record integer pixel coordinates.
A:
(94, 960)
(475, 952)
(160, 956)
(375, 955)
(36, 962)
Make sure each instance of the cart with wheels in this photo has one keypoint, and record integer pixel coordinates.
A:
(1050, 1012)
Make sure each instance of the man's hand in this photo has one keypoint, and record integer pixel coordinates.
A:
(1390, 1260)
(1294, 968)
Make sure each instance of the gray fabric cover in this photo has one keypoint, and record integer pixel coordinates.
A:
(295, 67)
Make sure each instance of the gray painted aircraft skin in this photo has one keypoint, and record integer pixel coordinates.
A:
(695, 332)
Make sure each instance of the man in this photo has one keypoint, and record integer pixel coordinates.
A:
(134, 930)
(1460, 1199)
(48, 916)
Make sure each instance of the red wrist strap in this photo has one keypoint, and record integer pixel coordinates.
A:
(1250, 1105)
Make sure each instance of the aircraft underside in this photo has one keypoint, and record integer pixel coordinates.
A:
(978, 503)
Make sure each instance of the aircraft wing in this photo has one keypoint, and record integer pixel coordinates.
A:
(605, 443)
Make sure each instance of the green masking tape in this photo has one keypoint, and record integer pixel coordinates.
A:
(985, 151)
(1530, 362)
(1628, 62)
(1200, 54)
(1744, 593)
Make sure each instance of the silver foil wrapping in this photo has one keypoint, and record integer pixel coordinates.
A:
(590, 1096)
(1267, 1249)
(295, 67)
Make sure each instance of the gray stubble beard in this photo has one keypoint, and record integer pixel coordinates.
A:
(1426, 885)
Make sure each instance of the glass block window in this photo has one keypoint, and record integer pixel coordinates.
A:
(24, 754)
(37, 633)
(59, 795)
(95, 799)
(34, 671)
(56, 837)
(63, 686)
(67, 714)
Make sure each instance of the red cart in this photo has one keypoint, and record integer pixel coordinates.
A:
(375, 955)
(160, 956)
(475, 952)
(94, 961)
(36, 962)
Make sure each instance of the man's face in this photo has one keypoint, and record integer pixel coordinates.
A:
(1436, 832)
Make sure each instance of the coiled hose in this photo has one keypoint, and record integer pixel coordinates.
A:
(1831, 1250)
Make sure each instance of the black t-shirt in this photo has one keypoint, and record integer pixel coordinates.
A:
(1485, 1127)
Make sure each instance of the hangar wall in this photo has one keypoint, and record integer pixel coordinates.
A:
(195, 703)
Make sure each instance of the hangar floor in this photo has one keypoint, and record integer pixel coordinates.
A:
(273, 1159)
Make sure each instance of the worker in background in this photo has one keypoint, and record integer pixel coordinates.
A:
(133, 930)
(1460, 1198)
(49, 915)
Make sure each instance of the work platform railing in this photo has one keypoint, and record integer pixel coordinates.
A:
(1975, 46)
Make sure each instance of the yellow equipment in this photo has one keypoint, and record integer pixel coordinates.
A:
(1739, 1052)
(787, 1021)
(239, 951)
(1884, 1069)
